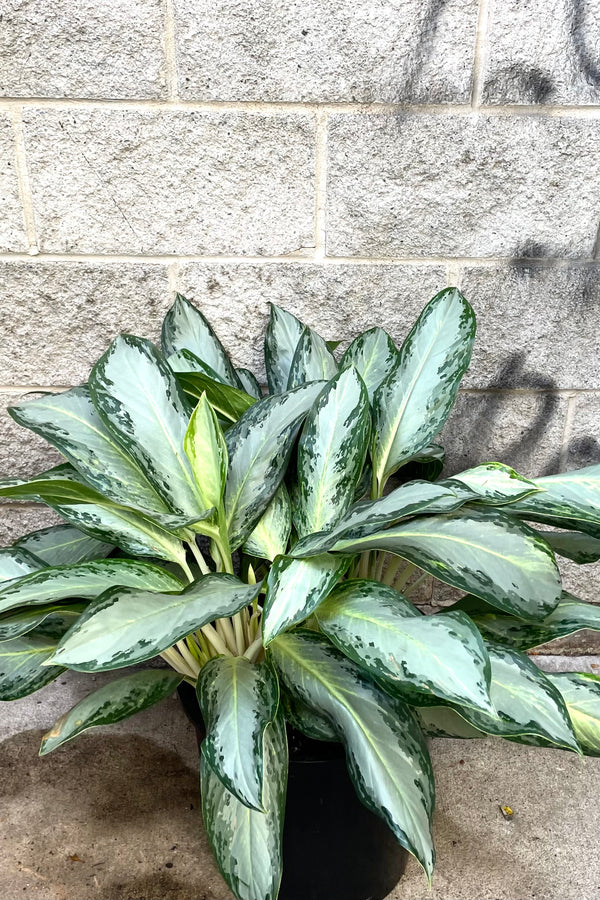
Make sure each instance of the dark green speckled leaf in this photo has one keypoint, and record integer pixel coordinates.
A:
(62, 545)
(313, 360)
(259, 447)
(374, 355)
(415, 400)
(331, 453)
(21, 670)
(486, 553)
(496, 483)
(295, 587)
(16, 562)
(20, 621)
(385, 751)
(270, 535)
(568, 500)
(247, 843)
(249, 383)
(581, 693)
(581, 548)
(381, 631)
(111, 703)
(281, 339)
(185, 328)
(129, 625)
(238, 700)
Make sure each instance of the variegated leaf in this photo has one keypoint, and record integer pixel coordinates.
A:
(249, 383)
(295, 587)
(21, 670)
(227, 401)
(111, 703)
(581, 693)
(129, 625)
(16, 562)
(374, 355)
(385, 751)
(313, 360)
(185, 328)
(238, 700)
(381, 631)
(331, 453)
(568, 500)
(20, 621)
(487, 553)
(247, 843)
(415, 400)
(85, 581)
(442, 721)
(305, 719)
(184, 362)
(581, 548)
(281, 339)
(205, 448)
(271, 534)
(259, 446)
(496, 483)
(62, 545)
(140, 401)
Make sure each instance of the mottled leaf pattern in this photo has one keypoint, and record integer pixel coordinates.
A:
(21, 670)
(111, 703)
(295, 587)
(581, 693)
(581, 548)
(568, 500)
(374, 355)
(270, 535)
(185, 328)
(415, 400)
(62, 545)
(381, 631)
(238, 700)
(227, 401)
(305, 719)
(496, 483)
(129, 625)
(16, 562)
(331, 453)
(259, 446)
(488, 554)
(247, 843)
(385, 751)
(249, 383)
(205, 448)
(281, 339)
(18, 621)
(313, 360)
(442, 721)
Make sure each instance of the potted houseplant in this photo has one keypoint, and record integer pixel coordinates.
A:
(267, 548)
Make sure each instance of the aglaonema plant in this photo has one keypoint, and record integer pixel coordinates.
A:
(269, 549)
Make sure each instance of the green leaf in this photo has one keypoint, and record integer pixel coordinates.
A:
(20, 621)
(569, 616)
(206, 450)
(442, 721)
(295, 588)
(496, 483)
(374, 355)
(129, 625)
(331, 453)
(184, 361)
(313, 360)
(21, 670)
(487, 553)
(427, 463)
(249, 383)
(569, 500)
(272, 532)
(247, 843)
(259, 447)
(581, 548)
(238, 700)
(385, 751)
(304, 719)
(281, 339)
(86, 581)
(61, 484)
(229, 402)
(139, 399)
(111, 703)
(380, 630)
(525, 700)
(16, 562)
(62, 545)
(415, 400)
(368, 517)
(70, 422)
(581, 693)
(185, 328)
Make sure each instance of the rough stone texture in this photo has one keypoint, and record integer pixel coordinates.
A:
(131, 833)
(22, 452)
(394, 51)
(584, 441)
(60, 317)
(538, 328)
(172, 182)
(339, 301)
(418, 185)
(82, 49)
(17, 520)
(523, 430)
(543, 52)
(12, 227)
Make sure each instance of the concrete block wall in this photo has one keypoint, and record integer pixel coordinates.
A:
(345, 160)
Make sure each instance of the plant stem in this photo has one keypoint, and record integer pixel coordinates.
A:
(363, 569)
(238, 630)
(191, 662)
(401, 579)
(392, 570)
(412, 588)
(203, 565)
(225, 629)
(380, 563)
(216, 640)
(254, 649)
(177, 662)
(187, 570)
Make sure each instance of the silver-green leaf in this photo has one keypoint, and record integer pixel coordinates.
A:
(281, 339)
(271, 534)
(374, 355)
(62, 545)
(313, 360)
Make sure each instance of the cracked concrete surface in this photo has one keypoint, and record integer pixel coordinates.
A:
(115, 814)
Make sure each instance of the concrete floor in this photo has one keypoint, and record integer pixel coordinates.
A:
(114, 815)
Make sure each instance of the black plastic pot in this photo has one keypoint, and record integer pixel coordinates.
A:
(334, 848)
